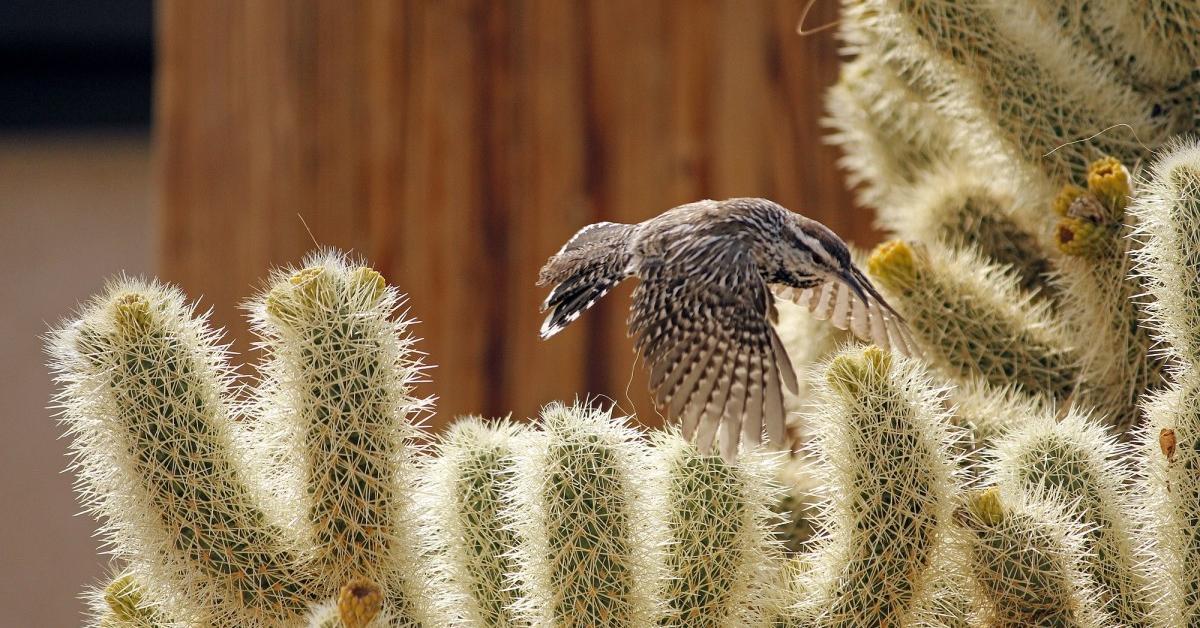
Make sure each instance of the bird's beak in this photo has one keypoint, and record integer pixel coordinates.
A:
(851, 279)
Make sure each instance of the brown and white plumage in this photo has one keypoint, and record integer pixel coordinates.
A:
(702, 315)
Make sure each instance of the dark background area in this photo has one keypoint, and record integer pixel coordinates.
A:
(76, 65)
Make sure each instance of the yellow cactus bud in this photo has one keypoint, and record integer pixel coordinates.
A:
(367, 280)
(310, 285)
(1109, 181)
(359, 601)
(123, 598)
(894, 264)
(1081, 237)
(132, 312)
(848, 371)
(1064, 198)
(987, 507)
(306, 288)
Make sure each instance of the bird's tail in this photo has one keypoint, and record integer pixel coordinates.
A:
(588, 265)
(583, 271)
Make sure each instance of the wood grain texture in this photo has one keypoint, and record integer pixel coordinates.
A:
(457, 143)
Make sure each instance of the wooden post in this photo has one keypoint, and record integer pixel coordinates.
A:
(457, 143)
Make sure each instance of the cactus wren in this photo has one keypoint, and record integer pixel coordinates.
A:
(703, 312)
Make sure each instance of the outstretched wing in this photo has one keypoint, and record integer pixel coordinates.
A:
(716, 363)
(593, 261)
(851, 302)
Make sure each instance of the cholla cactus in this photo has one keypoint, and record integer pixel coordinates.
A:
(145, 398)
(973, 322)
(1075, 458)
(964, 210)
(889, 132)
(589, 554)
(1024, 560)
(468, 492)
(1168, 217)
(1098, 297)
(1028, 82)
(721, 557)
(121, 604)
(311, 503)
(1171, 494)
(337, 386)
(1169, 221)
(891, 478)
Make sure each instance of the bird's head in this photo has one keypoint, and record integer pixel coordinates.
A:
(829, 253)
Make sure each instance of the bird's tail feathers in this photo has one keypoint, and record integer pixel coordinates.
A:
(587, 267)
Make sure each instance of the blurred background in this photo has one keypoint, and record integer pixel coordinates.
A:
(455, 144)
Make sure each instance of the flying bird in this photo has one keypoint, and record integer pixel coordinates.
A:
(703, 314)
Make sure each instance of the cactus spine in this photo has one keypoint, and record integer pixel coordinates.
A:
(721, 557)
(145, 399)
(891, 478)
(467, 487)
(588, 555)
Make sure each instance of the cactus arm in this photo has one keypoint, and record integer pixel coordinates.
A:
(467, 487)
(144, 397)
(588, 554)
(891, 478)
(337, 385)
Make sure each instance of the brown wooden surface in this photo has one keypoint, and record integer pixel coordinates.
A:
(457, 143)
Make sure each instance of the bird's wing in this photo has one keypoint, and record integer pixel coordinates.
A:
(715, 360)
(593, 261)
(856, 305)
